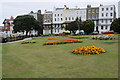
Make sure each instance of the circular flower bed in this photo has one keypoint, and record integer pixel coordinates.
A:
(26, 42)
(62, 42)
(88, 50)
(52, 38)
(78, 37)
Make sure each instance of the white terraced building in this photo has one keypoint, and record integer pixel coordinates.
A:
(119, 9)
(106, 15)
(62, 16)
(57, 20)
(102, 16)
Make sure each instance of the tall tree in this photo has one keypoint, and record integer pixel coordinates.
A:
(87, 26)
(72, 27)
(78, 21)
(115, 25)
(25, 23)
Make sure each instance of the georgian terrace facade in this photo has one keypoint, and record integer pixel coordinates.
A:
(106, 15)
(65, 15)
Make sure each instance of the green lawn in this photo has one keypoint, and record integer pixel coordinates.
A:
(56, 61)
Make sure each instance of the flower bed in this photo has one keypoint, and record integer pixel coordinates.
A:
(88, 50)
(78, 37)
(104, 37)
(26, 42)
(62, 42)
(52, 38)
(110, 34)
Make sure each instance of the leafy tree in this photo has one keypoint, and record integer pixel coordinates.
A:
(25, 23)
(38, 27)
(72, 27)
(115, 25)
(78, 21)
(87, 26)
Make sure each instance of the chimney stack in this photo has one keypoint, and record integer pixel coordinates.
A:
(65, 7)
(88, 6)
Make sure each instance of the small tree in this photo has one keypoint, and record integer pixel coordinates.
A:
(88, 26)
(72, 27)
(115, 25)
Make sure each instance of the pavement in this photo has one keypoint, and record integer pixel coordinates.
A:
(19, 40)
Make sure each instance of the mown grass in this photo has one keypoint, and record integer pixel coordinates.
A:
(56, 61)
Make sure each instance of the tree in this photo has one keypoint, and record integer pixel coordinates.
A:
(72, 27)
(115, 25)
(87, 26)
(25, 23)
(38, 27)
(78, 21)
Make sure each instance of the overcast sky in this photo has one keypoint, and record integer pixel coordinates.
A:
(13, 8)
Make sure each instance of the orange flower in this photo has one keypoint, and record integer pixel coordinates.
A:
(88, 50)
(63, 42)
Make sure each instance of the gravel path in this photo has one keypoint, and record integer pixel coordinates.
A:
(19, 40)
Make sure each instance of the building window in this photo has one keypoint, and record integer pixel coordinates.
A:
(88, 16)
(72, 18)
(93, 16)
(61, 14)
(102, 9)
(55, 30)
(80, 12)
(106, 27)
(111, 14)
(106, 21)
(61, 19)
(93, 11)
(111, 8)
(89, 11)
(69, 18)
(55, 15)
(77, 12)
(110, 20)
(101, 27)
(107, 9)
(58, 14)
(97, 15)
(58, 30)
(66, 18)
(6, 27)
(58, 19)
(97, 10)
(102, 14)
(55, 19)
(48, 20)
(106, 14)
(102, 20)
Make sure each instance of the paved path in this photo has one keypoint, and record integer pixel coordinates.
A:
(20, 40)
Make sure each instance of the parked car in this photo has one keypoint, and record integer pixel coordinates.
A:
(108, 32)
(94, 33)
